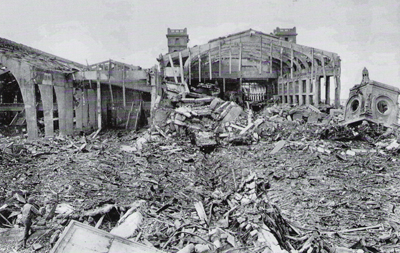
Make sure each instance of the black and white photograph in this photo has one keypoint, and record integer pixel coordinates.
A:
(182, 126)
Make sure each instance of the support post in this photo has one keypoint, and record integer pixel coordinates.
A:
(317, 91)
(209, 64)
(69, 106)
(29, 97)
(291, 61)
(260, 70)
(220, 60)
(327, 90)
(79, 109)
(337, 91)
(281, 60)
(181, 67)
(123, 86)
(199, 69)
(173, 68)
(190, 68)
(240, 60)
(85, 109)
(46, 92)
(91, 94)
(270, 59)
(109, 82)
(230, 59)
(61, 108)
(99, 121)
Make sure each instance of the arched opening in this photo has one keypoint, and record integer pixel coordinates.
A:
(11, 102)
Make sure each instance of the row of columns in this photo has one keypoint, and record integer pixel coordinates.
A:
(84, 106)
(312, 89)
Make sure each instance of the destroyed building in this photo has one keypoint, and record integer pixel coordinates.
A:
(37, 87)
(254, 66)
(372, 101)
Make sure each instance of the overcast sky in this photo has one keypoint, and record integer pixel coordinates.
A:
(365, 33)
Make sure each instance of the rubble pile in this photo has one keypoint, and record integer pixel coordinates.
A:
(285, 179)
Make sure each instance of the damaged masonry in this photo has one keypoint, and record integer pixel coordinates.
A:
(231, 146)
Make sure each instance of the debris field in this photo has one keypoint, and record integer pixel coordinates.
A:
(211, 176)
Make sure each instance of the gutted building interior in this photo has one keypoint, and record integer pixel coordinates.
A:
(255, 66)
(40, 89)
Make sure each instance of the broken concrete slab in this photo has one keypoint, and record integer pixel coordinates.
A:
(128, 227)
(233, 114)
(78, 237)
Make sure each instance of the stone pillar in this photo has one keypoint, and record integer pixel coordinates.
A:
(92, 107)
(69, 106)
(337, 91)
(327, 91)
(46, 92)
(29, 97)
(85, 109)
(317, 90)
(300, 82)
(60, 94)
(79, 109)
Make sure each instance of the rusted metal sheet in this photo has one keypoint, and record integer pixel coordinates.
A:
(78, 237)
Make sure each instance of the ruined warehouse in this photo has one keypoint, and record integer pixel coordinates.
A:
(47, 92)
(254, 66)
(38, 88)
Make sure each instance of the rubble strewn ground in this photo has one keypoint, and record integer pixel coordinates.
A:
(199, 181)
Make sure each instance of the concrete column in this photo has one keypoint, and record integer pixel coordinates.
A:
(29, 97)
(46, 92)
(300, 82)
(92, 107)
(69, 107)
(60, 94)
(79, 110)
(85, 109)
(327, 91)
(317, 90)
(337, 91)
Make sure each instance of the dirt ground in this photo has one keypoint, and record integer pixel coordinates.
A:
(328, 197)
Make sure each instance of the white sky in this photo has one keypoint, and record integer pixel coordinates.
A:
(365, 33)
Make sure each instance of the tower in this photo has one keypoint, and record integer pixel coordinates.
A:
(287, 34)
(177, 40)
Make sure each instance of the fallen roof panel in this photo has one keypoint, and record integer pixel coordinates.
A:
(78, 237)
